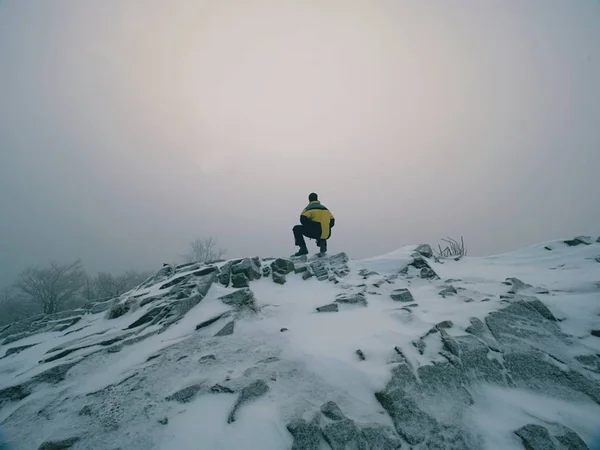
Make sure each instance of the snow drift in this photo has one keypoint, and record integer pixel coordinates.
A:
(400, 351)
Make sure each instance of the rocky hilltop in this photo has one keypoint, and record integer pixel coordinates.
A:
(401, 351)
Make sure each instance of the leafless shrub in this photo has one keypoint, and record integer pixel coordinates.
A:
(453, 249)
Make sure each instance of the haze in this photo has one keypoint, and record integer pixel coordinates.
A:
(128, 128)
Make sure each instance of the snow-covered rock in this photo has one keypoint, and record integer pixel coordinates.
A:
(504, 354)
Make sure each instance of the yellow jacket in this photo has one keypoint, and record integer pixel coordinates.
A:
(315, 213)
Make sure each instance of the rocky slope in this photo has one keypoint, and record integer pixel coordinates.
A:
(399, 351)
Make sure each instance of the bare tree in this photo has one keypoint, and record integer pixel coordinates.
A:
(52, 286)
(109, 285)
(13, 307)
(205, 250)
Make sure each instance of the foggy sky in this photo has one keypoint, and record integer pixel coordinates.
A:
(127, 128)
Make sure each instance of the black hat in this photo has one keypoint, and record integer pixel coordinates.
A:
(313, 197)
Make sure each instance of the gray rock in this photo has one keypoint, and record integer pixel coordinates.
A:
(175, 281)
(332, 411)
(328, 308)
(476, 364)
(410, 422)
(592, 362)
(445, 324)
(282, 266)
(243, 298)
(208, 322)
(266, 271)
(418, 261)
(520, 324)
(307, 274)
(146, 318)
(339, 259)
(579, 240)
(569, 439)
(163, 421)
(118, 310)
(425, 250)
(380, 437)
(402, 295)
(219, 389)
(448, 291)
(353, 298)
(239, 280)
(59, 445)
(306, 435)
(226, 330)
(541, 308)
(360, 354)
(14, 393)
(300, 268)
(248, 267)
(15, 350)
(344, 435)
(207, 358)
(428, 273)
(419, 344)
(185, 395)
(249, 393)
(224, 276)
(279, 278)
(536, 437)
(54, 375)
(205, 271)
(595, 333)
(86, 411)
(537, 371)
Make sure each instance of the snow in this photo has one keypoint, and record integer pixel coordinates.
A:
(318, 350)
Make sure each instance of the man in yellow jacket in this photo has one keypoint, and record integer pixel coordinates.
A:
(317, 222)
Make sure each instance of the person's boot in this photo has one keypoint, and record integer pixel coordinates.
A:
(303, 251)
(323, 247)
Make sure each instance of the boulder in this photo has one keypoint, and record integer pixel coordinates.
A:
(306, 434)
(148, 317)
(241, 299)
(226, 330)
(344, 435)
(207, 358)
(402, 295)
(536, 437)
(278, 278)
(185, 395)
(307, 274)
(380, 437)
(353, 298)
(332, 411)
(225, 273)
(248, 267)
(251, 392)
(282, 266)
(118, 310)
(239, 280)
(579, 240)
(425, 250)
(59, 445)
(448, 291)
(15, 350)
(427, 273)
(210, 321)
(328, 308)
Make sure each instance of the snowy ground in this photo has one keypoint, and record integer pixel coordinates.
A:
(115, 399)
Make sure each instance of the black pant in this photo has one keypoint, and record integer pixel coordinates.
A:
(310, 232)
